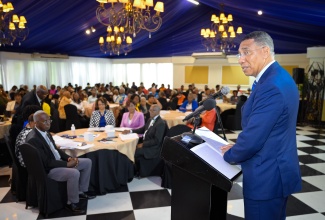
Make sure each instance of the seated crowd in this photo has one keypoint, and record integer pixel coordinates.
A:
(38, 113)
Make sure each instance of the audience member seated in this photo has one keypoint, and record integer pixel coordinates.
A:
(60, 166)
(180, 97)
(173, 101)
(153, 101)
(13, 105)
(66, 99)
(21, 138)
(132, 118)
(208, 119)
(234, 97)
(163, 101)
(144, 108)
(52, 90)
(190, 104)
(93, 97)
(102, 116)
(81, 105)
(153, 135)
(121, 96)
(197, 95)
(135, 98)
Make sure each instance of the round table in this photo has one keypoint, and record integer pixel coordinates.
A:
(173, 117)
(112, 164)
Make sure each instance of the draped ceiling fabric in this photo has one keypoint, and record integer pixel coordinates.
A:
(58, 26)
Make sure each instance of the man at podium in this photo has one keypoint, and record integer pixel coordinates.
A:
(266, 149)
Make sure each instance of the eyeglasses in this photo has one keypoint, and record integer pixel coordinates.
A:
(246, 53)
(48, 121)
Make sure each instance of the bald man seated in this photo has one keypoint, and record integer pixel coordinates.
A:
(60, 166)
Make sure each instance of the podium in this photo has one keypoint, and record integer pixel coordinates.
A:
(199, 190)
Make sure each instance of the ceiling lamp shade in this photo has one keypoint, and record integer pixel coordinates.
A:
(223, 31)
(129, 17)
(117, 42)
(12, 27)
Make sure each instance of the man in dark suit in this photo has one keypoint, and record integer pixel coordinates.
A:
(153, 135)
(266, 149)
(31, 98)
(60, 166)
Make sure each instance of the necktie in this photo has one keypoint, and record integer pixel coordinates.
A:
(151, 123)
(51, 145)
(254, 84)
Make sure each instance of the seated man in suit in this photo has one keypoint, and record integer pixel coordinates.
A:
(153, 135)
(60, 166)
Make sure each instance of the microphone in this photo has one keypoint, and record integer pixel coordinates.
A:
(223, 91)
(208, 105)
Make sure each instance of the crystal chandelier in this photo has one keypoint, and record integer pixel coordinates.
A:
(117, 41)
(221, 35)
(12, 27)
(132, 15)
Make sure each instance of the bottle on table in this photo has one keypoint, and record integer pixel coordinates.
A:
(73, 130)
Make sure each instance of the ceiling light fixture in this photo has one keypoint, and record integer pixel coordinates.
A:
(12, 27)
(116, 42)
(221, 35)
(133, 15)
(194, 2)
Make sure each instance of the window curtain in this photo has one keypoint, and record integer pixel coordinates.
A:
(79, 70)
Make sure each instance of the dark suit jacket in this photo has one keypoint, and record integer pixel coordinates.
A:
(29, 99)
(36, 139)
(267, 148)
(154, 137)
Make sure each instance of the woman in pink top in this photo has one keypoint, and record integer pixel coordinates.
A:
(132, 118)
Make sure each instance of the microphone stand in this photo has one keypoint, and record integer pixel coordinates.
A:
(196, 123)
(194, 139)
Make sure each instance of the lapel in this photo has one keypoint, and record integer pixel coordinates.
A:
(248, 106)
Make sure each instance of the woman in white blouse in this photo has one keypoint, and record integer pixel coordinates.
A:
(81, 105)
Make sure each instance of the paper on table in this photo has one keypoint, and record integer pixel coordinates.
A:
(76, 145)
(162, 112)
(96, 129)
(122, 129)
(128, 136)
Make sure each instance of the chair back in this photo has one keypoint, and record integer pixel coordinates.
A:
(11, 150)
(177, 130)
(72, 116)
(51, 195)
(33, 162)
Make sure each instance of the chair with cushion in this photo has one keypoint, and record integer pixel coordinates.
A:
(51, 195)
(72, 117)
(19, 173)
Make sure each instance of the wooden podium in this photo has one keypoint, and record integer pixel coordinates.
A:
(199, 190)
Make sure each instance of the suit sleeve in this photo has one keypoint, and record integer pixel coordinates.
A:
(48, 161)
(268, 108)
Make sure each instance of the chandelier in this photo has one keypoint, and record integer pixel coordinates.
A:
(132, 15)
(117, 41)
(12, 27)
(221, 35)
